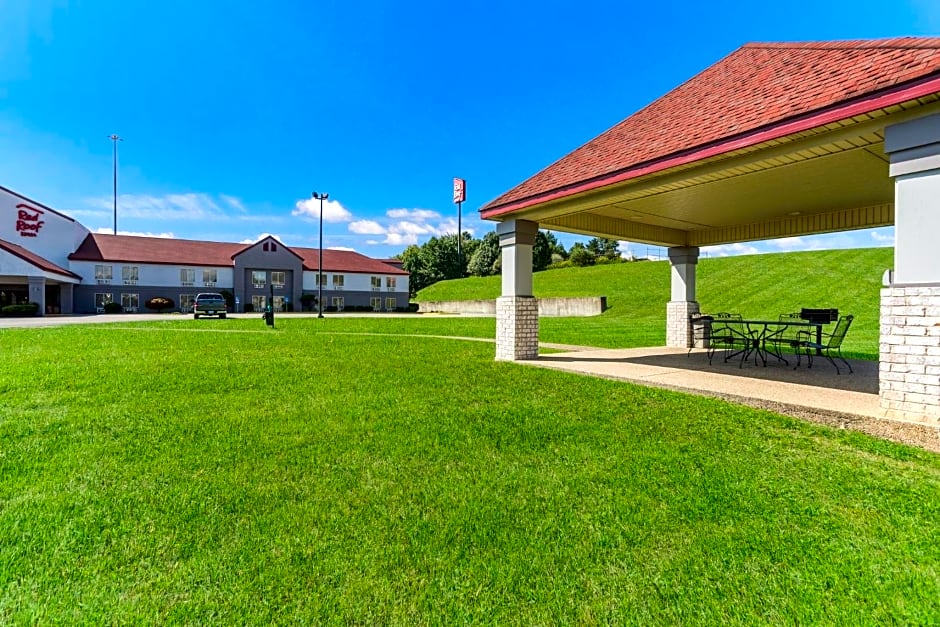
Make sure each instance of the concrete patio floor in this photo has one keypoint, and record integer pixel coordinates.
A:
(817, 388)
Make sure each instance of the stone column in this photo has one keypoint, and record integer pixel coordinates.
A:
(682, 304)
(909, 374)
(37, 293)
(517, 310)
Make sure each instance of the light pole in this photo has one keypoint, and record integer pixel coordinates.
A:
(320, 275)
(114, 140)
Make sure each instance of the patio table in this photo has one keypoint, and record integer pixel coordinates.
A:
(758, 337)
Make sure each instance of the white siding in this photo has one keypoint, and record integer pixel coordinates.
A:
(155, 275)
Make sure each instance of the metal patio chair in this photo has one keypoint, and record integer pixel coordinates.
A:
(727, 336)
(832, 342)
(784, 337)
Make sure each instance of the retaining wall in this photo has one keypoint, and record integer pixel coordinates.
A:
(548, 307)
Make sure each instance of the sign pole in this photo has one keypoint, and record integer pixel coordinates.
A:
(460, 195)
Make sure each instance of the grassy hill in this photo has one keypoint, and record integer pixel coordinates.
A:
(757, 286)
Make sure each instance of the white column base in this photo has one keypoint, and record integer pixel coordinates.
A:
(678, 326)
(909, 375)
(517, 328)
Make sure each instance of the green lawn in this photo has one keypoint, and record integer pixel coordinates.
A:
(217, 472)
(757, 286)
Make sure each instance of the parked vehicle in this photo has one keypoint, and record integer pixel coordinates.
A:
(209, 304)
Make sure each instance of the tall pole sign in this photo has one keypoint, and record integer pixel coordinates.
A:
(460, 195)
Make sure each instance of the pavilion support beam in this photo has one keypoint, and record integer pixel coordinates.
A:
(517, 310)
(909, 376)
(682, 304)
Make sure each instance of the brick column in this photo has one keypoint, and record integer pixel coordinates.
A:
(517, 328)
(678, 323)
(517, 310)
(682, 303)
(909, 377)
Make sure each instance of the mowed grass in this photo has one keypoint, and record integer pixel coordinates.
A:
(757, 286)
(217, 472)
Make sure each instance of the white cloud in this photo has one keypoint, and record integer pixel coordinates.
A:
(419, 215)
(401, 239)
(333, 211)
(366, 227)
(233, 202)
(346, 248)
(412, 228)
(107, 231)
(174, 207)
(883, 238)
(727, 250)
(261, 237)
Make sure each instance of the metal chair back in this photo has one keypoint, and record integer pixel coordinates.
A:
(838, 334)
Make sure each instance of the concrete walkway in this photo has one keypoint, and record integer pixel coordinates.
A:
(819, 388)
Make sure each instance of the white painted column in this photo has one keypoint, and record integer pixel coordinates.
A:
(682, 304)
(517, 310)
(37, 293)
(909, 375)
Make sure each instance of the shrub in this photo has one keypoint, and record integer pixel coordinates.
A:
(159, 303)
(21, 310)
(288, 307)
(581, 257)
(308, 301)
(412, 308)
(113, 308)
(330, 308)
(249, 307)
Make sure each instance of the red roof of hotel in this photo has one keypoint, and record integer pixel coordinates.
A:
(158, 250)
(758, 85)
(36, 260)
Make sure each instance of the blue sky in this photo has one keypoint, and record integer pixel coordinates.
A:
(233, 113)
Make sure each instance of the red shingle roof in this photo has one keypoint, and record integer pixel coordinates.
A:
(157, 250)
(758, 85)
(36, 260)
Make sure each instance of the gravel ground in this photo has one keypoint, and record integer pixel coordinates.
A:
(924, 436)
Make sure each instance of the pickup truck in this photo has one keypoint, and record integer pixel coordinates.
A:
(209, 304)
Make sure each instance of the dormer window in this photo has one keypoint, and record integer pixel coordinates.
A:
(269, 247)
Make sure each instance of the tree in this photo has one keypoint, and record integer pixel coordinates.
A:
(581, 255)
(603, 247)
(485, 257)
(542, 251)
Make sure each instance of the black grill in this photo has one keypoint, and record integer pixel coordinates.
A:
(823, 316)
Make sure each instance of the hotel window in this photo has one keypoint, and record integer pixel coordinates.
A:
(321, 279)
(390, 283)
(278, 279)
(103, 275)
(186, 302)
(376, 283)
(210, 277)
(187, 276)
(390, 304)
(338, 281)
(376, 303)
(258, 278)
(269, 247)
(129, 275)
(258, 302)
(130, 302)
(338, 303)
(101, 300)
(278, 303)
